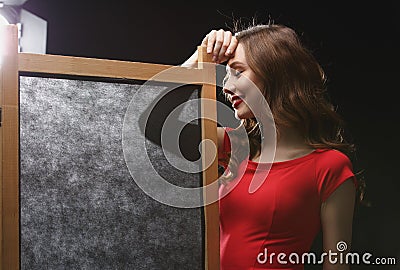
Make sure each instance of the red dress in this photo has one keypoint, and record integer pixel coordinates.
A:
(283, 215)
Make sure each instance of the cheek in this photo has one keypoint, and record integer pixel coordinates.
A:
(243, 84)
(249, 87)
(254, 97)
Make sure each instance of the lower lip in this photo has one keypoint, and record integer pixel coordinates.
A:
(236, 103)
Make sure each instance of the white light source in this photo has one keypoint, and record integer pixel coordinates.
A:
(3, 21)
(32, 30)
(2, 43)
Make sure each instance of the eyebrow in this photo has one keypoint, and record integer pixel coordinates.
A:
(236, 63)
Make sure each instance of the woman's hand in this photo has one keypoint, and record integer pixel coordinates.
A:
(222, 44)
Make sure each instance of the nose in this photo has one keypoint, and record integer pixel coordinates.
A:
(228, 87)
(228, 92)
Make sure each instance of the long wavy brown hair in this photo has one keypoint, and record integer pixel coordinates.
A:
(295, 89)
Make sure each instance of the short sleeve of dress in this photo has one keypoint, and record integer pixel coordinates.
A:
(332, 171)
(225, 149)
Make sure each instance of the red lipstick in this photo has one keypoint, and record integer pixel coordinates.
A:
(236, 101)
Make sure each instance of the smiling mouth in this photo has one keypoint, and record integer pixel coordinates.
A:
(236, 101)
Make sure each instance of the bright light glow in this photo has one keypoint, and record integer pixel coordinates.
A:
(3, 21)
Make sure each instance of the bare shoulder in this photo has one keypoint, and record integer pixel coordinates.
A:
(220, 136)
(334, 159)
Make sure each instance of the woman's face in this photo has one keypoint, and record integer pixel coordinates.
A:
(241, 85)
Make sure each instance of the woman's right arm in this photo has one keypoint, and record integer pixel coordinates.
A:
(220, 137)
(222, 44)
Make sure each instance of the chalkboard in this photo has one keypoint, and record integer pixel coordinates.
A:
(80, 207)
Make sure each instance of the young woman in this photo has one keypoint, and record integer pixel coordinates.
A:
(309, 186)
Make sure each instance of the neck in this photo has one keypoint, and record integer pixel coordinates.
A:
(289, 145)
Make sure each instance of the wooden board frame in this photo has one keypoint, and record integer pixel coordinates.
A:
(13, 63)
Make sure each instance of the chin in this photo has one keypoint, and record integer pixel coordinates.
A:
(237, 116)
(243, 115)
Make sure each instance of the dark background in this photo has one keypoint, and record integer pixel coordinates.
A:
(354, 42)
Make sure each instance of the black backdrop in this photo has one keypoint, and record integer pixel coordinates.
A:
(354, 42)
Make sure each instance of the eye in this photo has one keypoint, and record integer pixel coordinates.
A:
(237, 73)
(232, 72)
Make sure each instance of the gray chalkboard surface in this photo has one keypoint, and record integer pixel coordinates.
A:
(80, 208)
